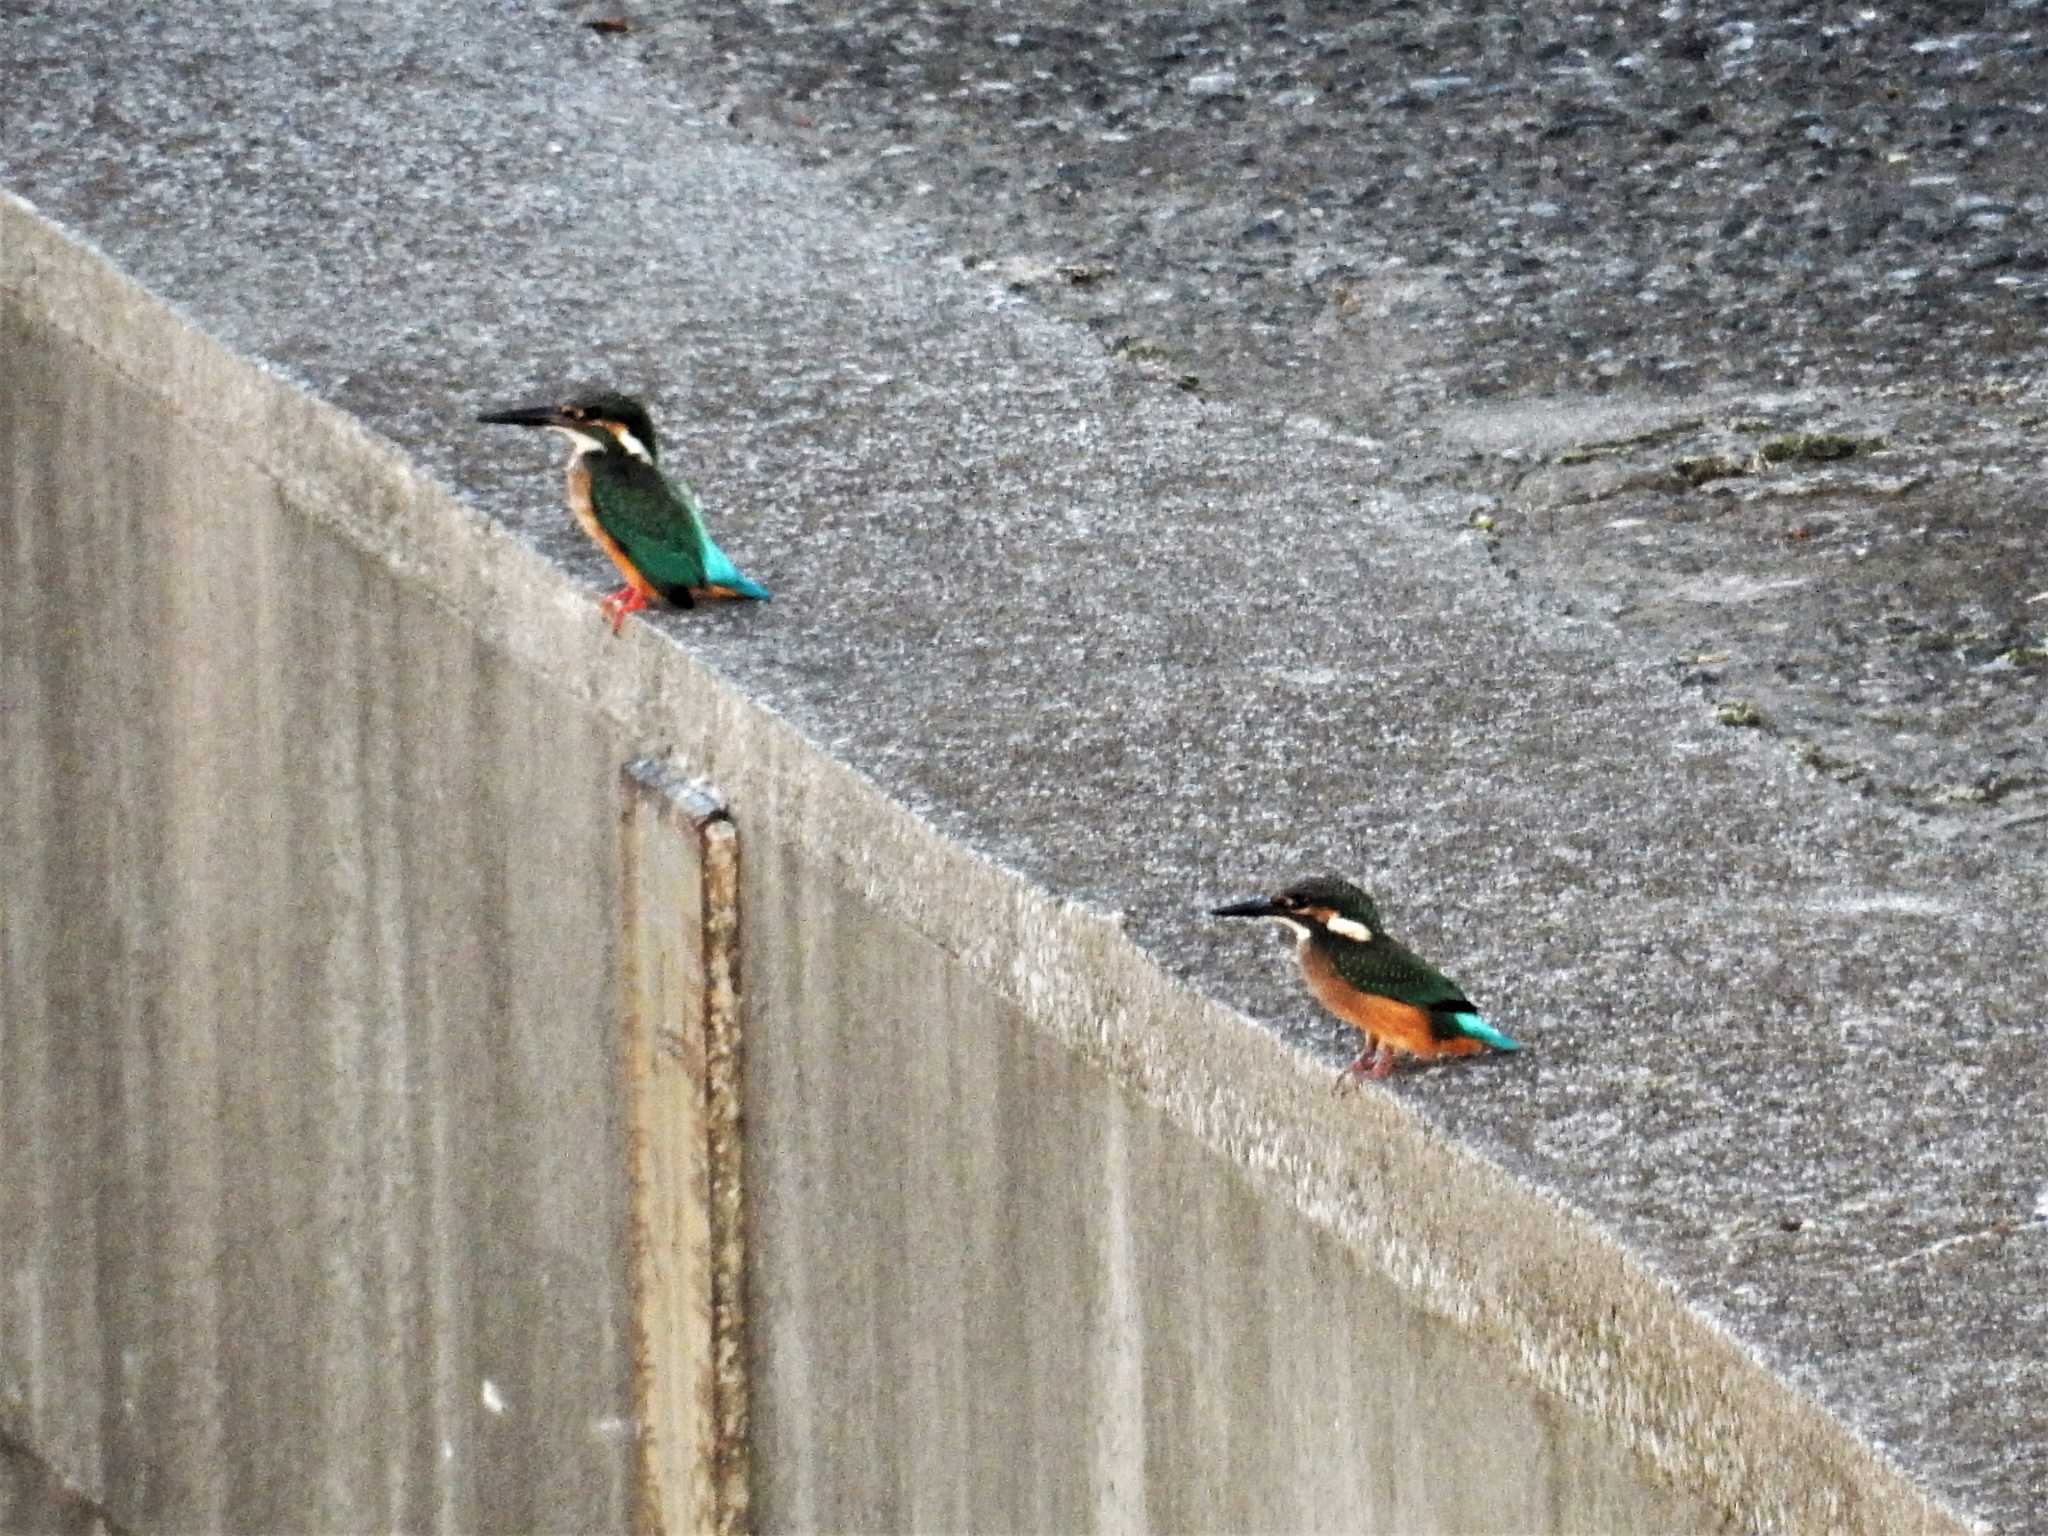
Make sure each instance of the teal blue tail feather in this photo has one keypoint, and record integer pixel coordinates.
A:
(1473, 1025)
(719, 571)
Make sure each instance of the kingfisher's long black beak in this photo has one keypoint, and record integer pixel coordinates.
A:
(1258, 907)
(525, 416)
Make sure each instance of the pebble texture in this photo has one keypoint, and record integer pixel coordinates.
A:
(1157, 584)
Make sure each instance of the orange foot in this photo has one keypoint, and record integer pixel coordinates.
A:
(622, 602)
(1375, 1061)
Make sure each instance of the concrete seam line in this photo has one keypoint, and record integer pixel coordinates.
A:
(725, 1083)
(679, 890)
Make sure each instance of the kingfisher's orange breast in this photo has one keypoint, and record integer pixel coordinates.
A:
(586, 515)
(1400, 1025)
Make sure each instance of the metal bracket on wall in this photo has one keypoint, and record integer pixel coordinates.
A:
(683, 1061)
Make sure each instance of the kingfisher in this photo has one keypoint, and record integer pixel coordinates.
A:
(650, 526)
(1372, 981)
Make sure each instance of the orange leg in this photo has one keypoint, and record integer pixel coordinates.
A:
(1375, 1061)
(626, 600)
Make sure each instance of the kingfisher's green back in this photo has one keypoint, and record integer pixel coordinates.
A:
(1388, 968)
(654, 521)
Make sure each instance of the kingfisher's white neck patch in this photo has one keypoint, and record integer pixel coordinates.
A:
(633, 446)
(1348, 928)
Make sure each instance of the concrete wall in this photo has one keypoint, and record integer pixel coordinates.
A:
(311, 1108)
(311, 1122)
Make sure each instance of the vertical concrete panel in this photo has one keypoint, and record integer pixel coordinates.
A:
(86, 853)
(308, 1019)
(893, 1304)
(992, 1290)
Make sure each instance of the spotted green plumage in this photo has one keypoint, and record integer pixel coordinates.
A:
(656, 521)
(1388, 968)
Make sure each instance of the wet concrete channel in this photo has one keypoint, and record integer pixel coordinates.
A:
(1729, 322)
